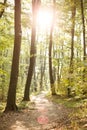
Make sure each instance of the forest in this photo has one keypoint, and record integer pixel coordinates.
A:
(43, 64)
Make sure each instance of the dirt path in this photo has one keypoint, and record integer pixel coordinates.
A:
(42, 115)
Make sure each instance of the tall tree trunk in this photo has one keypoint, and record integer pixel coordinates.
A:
(35, 7)
(84, 42)
(72, 38)
(50, 53)
(11, 99)
(35, 82)
(58, 75)
(42, 68)
(72, 47)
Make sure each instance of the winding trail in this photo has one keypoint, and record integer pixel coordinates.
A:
(42, 114)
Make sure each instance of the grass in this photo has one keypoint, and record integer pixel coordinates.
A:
(26, 104)
(68, 102)
(79, 113)
(2, 106)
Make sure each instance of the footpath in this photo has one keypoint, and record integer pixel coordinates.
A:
(41, 114)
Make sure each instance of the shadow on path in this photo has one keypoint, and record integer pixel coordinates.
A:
(45, 115)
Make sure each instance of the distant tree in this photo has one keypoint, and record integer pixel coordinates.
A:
(42, 66)
(52, 81)
(11, 98)
(35, 7)
(73, 10)
(84, 42)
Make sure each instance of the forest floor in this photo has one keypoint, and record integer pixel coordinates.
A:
(42, 114)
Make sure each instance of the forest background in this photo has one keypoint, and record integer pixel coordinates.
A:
(52, 43)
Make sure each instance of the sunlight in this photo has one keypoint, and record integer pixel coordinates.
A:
(45, 18)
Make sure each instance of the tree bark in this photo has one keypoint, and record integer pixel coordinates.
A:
(35, 7)
(70, 78)
(11, 98)
(84, 42)
(50, 53)
(72, 38)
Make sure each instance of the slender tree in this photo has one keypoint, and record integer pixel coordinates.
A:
(72, 45)
(72, 36)
(35, 7)
(52, 81)
(42, 68)
(84, 42)
(11, 98)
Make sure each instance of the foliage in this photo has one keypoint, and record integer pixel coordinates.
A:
(60, 51)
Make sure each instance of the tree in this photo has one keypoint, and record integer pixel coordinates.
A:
(84, 42)
(11, 98)
(35, 7)
(72, 45)
(52, 81)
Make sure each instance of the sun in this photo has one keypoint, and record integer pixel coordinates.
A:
(44, 18)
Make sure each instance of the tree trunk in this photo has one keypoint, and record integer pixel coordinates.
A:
(35, 6)
(72, 38)
(70, 79)
(50, 54)
(42, 68)
(34, 89)
(84, 43)
(11, 98)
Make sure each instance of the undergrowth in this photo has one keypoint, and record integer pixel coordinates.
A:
(79, 110)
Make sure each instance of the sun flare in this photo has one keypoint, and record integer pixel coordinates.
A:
(44, 18)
